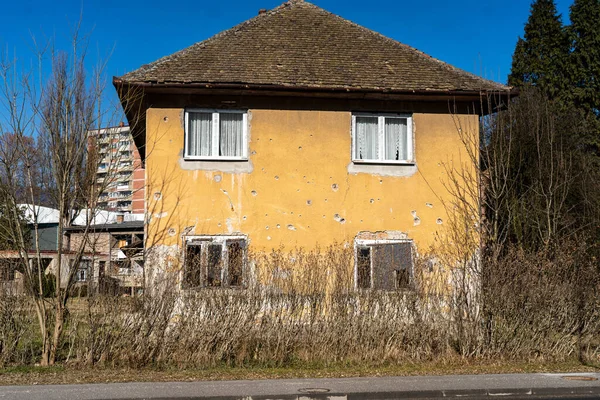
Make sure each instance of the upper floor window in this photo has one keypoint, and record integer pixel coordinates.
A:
(382, 138)
(216, 134)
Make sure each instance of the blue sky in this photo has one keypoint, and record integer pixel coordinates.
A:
(476, 35)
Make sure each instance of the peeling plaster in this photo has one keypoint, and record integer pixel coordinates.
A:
(382, 235)
(188, 230)
(416, 219)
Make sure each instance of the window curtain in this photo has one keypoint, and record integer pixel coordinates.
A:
(200, 134)
(231, 134)
(396, 139)
(366, 138)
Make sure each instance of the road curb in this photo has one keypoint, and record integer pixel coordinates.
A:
(582, 392)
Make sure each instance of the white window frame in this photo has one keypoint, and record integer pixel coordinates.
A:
(86, 270)
(372, 243)
(215, 134)
(381, 136)
(221, 240)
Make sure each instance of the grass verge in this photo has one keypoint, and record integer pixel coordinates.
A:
(73, 375)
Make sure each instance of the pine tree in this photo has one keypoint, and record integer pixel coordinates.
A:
(540, 57)
(584, 61)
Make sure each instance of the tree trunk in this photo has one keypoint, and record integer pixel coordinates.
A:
(58, 328)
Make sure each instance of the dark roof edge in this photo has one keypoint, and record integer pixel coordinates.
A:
(250, 86)
(123, 226)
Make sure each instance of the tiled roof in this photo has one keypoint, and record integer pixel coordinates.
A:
(299, 45)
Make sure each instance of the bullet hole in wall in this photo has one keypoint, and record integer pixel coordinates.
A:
(334, 187)
(276, 177)
(254, 193)
(372, 201)
(439, 221)
(429, 205)
(157, 195)
(339, 219)
(291, 227)
(166, 119)
(217, 178)
(308, 202)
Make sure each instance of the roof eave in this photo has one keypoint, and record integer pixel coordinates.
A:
(118, 82)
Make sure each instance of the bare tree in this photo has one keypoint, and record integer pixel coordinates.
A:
(57, 112)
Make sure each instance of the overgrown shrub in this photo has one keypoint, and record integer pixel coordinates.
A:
(535, 305)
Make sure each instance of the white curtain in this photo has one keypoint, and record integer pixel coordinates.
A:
(396, 139)
(367, 145)
(200, 134)
(231, 126)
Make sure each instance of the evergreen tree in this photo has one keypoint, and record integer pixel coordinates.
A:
(584, 61)
(540, 57)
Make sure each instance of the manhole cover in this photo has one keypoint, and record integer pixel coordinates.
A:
(313, 390)
(579, 378)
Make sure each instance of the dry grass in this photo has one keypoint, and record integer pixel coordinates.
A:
(75, 375)
(535, 308)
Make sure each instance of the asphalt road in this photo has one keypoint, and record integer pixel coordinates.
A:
(512, 386)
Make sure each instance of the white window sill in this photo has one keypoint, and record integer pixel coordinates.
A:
(384, 162)
(380, 168)
(191, 158)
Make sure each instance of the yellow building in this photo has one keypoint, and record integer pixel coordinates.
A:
(298, 128)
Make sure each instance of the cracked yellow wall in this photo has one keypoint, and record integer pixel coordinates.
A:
(299, 192)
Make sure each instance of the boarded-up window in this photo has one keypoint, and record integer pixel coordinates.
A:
(214, 262)
(363, 267)
(389, 266)
(235, 262)
(213, 265)
(193, 265)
